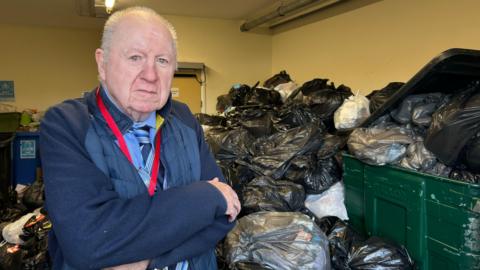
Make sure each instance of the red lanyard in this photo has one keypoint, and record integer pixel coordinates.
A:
(123, 145)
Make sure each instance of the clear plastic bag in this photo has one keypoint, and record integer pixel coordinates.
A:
(278, 240)
(354, 110)
(418, 158)
(380, 146)
(329, 203)
(286, 89)
(418, 109)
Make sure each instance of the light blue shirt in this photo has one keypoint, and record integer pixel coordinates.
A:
(132, 142)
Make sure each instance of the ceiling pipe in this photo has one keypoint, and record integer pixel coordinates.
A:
(279, 12)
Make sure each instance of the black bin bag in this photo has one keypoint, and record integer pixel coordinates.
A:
(279, 78)
(350, 251)
(315, 85)
(258, 122)
(454, 124)
(35, 237)
(299, 167)
(326, 173)
(325, 102)
(331, 146)
(231, 173)
(378, 254)
(260, 96)
(272, 155)
(34, 195)
(277, 240)
(292, 116)
(417, 109)
(210, 120)
(223, 103)
(472, 155)
(11, 257)
(342, 238)
(214, 137)
(237, 94)
(266, 194)
(251, 266)
(235, 144)
(465, 176)
(379, 97)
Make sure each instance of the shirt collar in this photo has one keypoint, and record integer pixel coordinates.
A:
(150, 121)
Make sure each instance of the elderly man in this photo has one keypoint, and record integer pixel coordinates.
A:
(130, 182)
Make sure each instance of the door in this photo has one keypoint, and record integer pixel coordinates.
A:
(187, 89)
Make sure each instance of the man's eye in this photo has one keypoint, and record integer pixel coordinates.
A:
(162, 60)
(135, 57)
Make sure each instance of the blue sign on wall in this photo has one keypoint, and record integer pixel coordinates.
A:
(7, 91)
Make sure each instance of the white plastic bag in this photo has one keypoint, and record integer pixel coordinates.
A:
(286, 89)
(328, 203)
(11, 233)
(352, 113)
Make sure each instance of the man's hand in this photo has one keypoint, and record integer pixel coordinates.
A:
(141, 265)
(233, 204)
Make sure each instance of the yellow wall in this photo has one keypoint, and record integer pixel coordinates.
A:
(49, 65)
(387, 41)
(230, 56)
(365, 49)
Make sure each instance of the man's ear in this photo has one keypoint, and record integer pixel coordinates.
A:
(100, 58)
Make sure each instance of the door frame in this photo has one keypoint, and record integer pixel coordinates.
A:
(197, 70)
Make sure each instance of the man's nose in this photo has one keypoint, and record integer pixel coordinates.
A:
(149, 72)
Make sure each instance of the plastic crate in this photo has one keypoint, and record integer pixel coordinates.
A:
(395, 208)
(452, 223)
(9, 122)
(435, 218)
(6, 140)
(353, 173)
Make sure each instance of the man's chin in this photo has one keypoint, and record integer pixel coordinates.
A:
(146, 108)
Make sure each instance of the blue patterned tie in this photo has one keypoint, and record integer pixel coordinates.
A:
(143, 136)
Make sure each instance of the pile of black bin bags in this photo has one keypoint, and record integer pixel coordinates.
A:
(24, 227)
(434, 133)
(277, 145)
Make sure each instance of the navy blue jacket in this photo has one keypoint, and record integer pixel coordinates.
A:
(101, 212)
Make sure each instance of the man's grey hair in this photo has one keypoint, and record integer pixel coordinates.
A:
(143, 12)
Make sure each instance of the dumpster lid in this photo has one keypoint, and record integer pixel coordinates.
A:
(451, 70)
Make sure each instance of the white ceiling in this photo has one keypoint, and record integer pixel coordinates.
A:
(63, 12)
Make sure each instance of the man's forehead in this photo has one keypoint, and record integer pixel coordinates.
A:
(152, 26)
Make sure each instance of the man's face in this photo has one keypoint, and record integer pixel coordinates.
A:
(139, 67)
